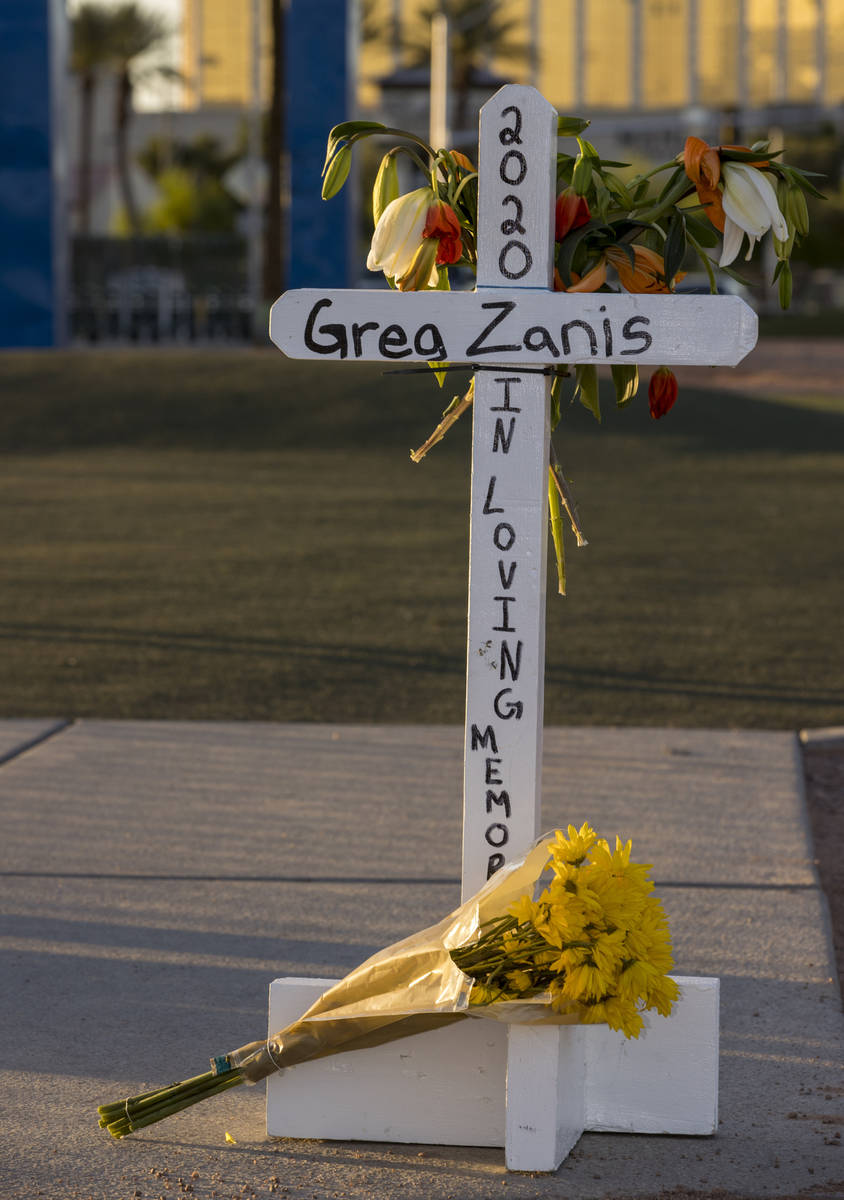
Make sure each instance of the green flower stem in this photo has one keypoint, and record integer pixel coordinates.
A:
(124, 1117)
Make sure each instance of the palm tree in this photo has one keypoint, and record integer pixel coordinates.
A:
(477, 30)
(89, 52)
(132, 32)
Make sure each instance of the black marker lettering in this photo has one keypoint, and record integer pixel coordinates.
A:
(564, 336)
(508, 136)
(506, 580)
(338, 332)
(502, 798)
(507, 661)
(518, 170)
(629, 333)
(607, 337)
(491, 776)
(436, 352)
(477, 347)
(496, 862)
(488, 509)
(505, 602)
(506, 406)
(393, 335)
(544, 339)
(503, 531)
(513, 225)
(500, 438)
(514, 708)
(482, 739)
(357, 335)
(497, 834)
(523, 263)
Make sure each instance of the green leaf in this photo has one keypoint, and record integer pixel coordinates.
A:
(641, 191)
(704, 233)
(556, 387)
(626, 380)
(571, 243)
(704, 258)
(675, 245)
(785, 285)
(627, 249)
(441, 375)
(671, 183)
(617, 187)
(746, 155)
(586, 388)
(571, 126)
(735, 275)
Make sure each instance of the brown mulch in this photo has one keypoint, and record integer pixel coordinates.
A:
(823, 764)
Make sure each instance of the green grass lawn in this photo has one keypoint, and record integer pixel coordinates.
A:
(232, 535)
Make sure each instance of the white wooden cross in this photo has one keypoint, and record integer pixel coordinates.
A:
(534, 1089)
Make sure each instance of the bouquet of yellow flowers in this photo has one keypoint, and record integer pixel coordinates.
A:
(571, 933)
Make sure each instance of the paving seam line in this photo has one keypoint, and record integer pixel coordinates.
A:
(388, 881)
(55, 729)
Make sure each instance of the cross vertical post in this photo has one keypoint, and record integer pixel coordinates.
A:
(505, 657)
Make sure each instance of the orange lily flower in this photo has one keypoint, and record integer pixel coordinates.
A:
(702, 164)
(590, 282)
(647, 273)
(442, 224)
(571, 211)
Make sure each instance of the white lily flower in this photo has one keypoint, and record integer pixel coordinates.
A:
(398, 235)
(750, 206)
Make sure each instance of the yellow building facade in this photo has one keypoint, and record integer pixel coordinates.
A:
(629, 55)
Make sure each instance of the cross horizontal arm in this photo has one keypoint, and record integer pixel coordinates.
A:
(513, 325)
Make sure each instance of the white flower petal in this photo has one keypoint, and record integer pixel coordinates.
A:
(742, 201)
(769, 198)
(733, 234)
(398, 233)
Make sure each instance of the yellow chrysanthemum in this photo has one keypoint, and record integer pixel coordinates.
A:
(523, 910)
(662, 994)
(576, 846)
(519, 981)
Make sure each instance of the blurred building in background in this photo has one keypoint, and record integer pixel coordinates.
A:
(646, 72)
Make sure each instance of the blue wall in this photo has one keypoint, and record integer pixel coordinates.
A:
(29, 278)
(317, 78)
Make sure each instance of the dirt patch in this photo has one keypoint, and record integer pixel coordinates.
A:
(823, 764)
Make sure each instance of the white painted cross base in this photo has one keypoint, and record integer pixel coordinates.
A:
(529, 1088)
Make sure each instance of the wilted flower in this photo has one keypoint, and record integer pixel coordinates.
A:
(662, 392)
(415, 232)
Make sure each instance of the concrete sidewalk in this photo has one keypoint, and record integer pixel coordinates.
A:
(157, 876)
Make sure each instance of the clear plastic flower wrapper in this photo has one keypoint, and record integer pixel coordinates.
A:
(569, 933)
